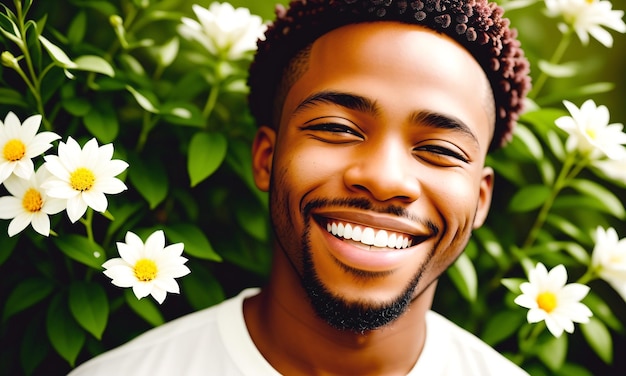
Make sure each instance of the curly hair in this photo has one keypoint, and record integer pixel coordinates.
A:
(477, 25)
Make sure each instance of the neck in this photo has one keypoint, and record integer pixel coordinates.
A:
(295, 341)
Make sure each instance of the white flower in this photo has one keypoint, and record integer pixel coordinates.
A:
(588, 17)
(29, 204)
(148, 268)
(608, 259)
(19, 142)
(223, 30)
(83, 176)
(549, 298)
(614, 169)
(590, 132)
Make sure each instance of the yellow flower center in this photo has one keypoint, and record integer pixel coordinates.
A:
(14, 150)
(32, 200)
(591, 133)
(547, 301)
(82, 179)
(145, 270)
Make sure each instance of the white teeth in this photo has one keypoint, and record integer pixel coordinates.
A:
(381, 239)
(369, 236)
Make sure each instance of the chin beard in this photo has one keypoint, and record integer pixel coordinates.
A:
(358, 316)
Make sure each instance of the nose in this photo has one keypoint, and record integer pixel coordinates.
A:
(385, 172)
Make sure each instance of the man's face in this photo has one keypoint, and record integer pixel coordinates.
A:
(376, 174)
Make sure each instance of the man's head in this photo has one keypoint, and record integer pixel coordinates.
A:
(376, 165)
(476, 24)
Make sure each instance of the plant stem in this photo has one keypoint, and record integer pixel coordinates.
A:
(555, 59)
(211, 101)
(559, 184)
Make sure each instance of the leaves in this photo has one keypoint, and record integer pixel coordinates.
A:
(207, 151)
(26, 294)
(89, 306)
(64, 334)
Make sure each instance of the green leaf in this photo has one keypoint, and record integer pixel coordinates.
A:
(556, 144)
(599, 338)
(89, 306)
(606, 200)
(563, 70)
(77, 106)
(150, 179)
(8, 244)
(147, 101)
(579, 91)
(572, 369)
(529, 198)
(167, 53)
(123, 215)
(81, 249)
(602, 310)
(553, 352)
(492, 245)
(463, 275)
(502, 325)
(207, 151)
(26, 294)
(102, 122)
(512, 284)
(568, 228)
(183, 113)
(530, 141)
(66, 337)
(145, 308)
(201, 288)
(57, 53)
(196, 243)
(11, 97)
(253, 219)
(92, 63)
(9, 29)
(77, 28)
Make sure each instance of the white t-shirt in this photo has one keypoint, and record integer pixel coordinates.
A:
(215, 341)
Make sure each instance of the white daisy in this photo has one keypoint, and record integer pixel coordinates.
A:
(83, 176)
(608, 259)
(590, 132)
(148, 268)
(549, 298)
(588, 17)
(19, 143)
(223, 30)
(29, 204)
(614, 169)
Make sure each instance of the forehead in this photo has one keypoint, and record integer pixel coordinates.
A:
(404, 68)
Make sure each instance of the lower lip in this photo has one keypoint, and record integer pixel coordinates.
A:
(379, 260)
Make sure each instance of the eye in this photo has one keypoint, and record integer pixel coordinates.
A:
(333, 132)
(440, 155)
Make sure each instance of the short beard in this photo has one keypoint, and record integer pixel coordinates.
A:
(360, 316)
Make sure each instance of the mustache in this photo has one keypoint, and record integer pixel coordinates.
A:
(365, 204)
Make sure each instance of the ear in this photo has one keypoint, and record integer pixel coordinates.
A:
(484, 198)
(262, 155)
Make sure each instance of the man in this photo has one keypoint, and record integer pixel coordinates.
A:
(375, 120)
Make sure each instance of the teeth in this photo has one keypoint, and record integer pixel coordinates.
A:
(369, 236)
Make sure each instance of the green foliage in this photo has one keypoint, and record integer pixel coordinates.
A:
(120, 72)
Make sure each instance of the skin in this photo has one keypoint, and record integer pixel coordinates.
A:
(383, 136)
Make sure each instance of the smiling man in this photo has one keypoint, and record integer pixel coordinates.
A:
(375, 119)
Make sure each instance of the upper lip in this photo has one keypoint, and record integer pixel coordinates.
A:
(377, 221)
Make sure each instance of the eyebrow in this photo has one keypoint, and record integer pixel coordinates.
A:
(369, 106)
(346, 100)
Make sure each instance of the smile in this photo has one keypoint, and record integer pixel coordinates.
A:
(368, 236)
